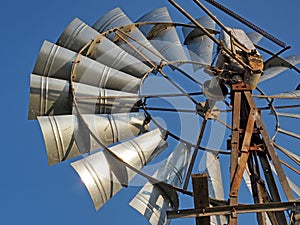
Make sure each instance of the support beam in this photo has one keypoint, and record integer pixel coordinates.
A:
(239, 209)
(201, 198)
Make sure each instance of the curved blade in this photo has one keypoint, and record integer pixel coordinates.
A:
(199, 45)
(49, 96)
(78, 34)
(255, 37)
(54, 61)
(277, 65)
(163, 37)
(116, 18)
(103, 175)
(153, 200)
(238, 34)
(215, 183)
(66, 137)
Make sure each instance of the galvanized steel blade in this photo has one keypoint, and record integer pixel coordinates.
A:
(200, 46)
(117, 19)
(67, 136)
(104, 175)
(255, 37)
(49, 96)
(78, 34)
(163, 36)
(215, 183)
(154, 199)
(57, 62)
(278, 65)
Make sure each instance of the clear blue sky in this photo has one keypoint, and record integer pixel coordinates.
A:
(31, 193)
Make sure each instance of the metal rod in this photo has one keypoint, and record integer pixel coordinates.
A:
(290, 167)
(270, 149)
(238, 209)
(247, 23)
(236, 41)
(141, 96)
(185, 13)
(191, 165)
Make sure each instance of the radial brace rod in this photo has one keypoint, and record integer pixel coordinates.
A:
(186, 14)
(158, 67)
(240, 45)
(193, 159)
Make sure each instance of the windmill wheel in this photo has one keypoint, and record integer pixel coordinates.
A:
(163, 100)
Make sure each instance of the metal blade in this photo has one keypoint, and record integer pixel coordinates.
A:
(117, 18)
(163, 36)
(199, 45)
(154, 200)
(278, 65)
(215, 184)
(78, 34)
(255, 37)
(56, 62)
(104, 175)
(67, 137)
(49, 96)
(240, 35)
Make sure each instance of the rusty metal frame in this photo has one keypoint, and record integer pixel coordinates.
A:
(239, 209)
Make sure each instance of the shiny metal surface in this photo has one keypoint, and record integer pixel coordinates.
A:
(164, 38)
(116, 18)
(291, 115)
(104, 175)
(66, 137)
(215, 184)
(239, 35)
(78, 34)
(276, 66)
(56, 62)
(154, 200)
(199, 45)
(255, 37)
(290, 94)
(49, 96)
